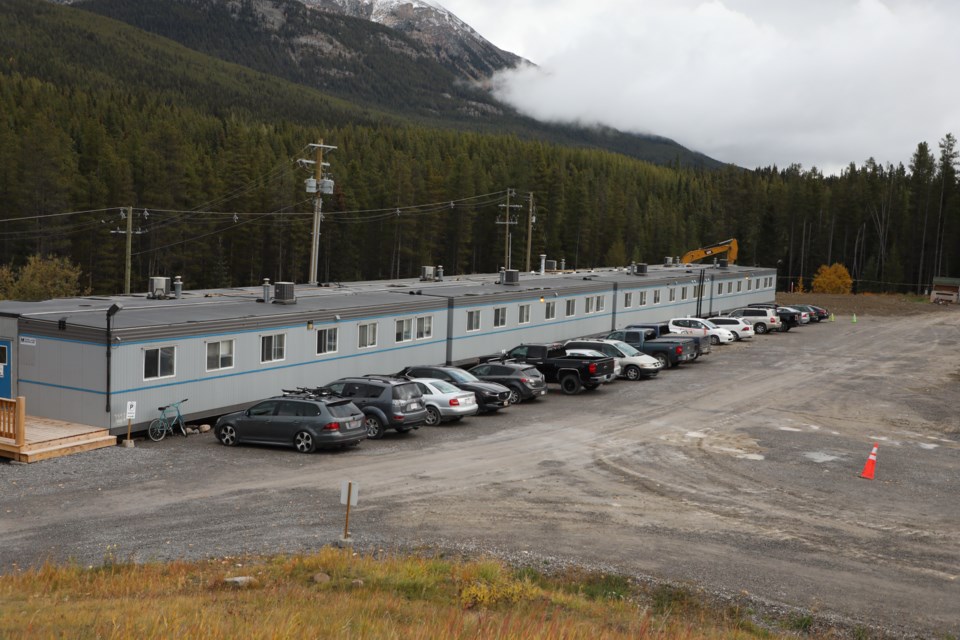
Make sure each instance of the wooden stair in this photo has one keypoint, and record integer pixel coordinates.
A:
(50, 442)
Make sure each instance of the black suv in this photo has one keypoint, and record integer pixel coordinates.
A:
(490, 395)
(303, 419)
(387, 402)
(524, 381)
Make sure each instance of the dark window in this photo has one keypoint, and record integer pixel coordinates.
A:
(343, 409)
(482, 370)
(288, 409)
(264, 408)
(406, 392)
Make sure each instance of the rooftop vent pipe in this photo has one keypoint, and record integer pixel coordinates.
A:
(177, 287)
(266, 290)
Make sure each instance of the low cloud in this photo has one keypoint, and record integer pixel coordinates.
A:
(821, 83)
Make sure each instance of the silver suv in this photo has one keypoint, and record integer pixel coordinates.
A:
(763, 320)
(386, 402)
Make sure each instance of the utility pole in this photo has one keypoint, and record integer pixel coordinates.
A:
(530, 220)
(129, 232)
(317, 185)
(507, 221)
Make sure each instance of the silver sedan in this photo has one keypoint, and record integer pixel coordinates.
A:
(444, 401)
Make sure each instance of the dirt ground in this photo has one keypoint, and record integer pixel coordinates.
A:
(736, 476)
(863, 304)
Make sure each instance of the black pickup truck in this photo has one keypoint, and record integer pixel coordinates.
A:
(669, 351)
(572, 372)
(662, 330)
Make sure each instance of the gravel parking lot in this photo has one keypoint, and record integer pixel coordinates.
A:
(737, 474)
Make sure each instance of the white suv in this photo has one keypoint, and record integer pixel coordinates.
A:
(696, 326)
(741, 329)
(763, 320)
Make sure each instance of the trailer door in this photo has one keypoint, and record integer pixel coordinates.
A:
(6, 370)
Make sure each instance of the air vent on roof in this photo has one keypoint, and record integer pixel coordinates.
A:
(427, 273)
(550, 265)
(724, 264)
(283, 293)
(640, 269)
(511, 276)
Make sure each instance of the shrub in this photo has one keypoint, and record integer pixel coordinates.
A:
(832, 279)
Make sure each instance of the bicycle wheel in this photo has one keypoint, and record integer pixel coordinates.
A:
(158, 430)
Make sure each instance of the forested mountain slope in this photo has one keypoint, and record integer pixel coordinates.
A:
(97, 115)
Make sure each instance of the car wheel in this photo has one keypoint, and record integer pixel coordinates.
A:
(304, 443)
(227, 435)
(570, 384)
(433, 417)
(760, 328)
(374, 427)
(632, 373)
(664, 360)
(514, 397)
(714, 340)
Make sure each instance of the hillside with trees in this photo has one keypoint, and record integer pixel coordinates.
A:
(98, 116)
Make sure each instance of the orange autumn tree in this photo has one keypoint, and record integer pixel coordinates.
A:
(832, 279)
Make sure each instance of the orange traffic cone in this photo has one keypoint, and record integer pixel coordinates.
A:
(871, 465)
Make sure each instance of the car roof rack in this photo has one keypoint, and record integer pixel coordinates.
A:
(310, 393)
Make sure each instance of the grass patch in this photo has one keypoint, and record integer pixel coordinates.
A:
(336, 594)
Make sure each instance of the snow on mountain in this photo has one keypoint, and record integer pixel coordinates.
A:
(455, 43)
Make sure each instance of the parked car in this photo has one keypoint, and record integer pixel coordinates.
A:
(789, 318)
(445, 402)
(593, 354)
(662, 330)
(740, 328)
(633, 363)
(668, 351)
(303, 420)
(572, 372)
(490, 395)
(687, 326)
(387, 402)
(524, 381)
(822, 314)
(816, 313)
(763, 320)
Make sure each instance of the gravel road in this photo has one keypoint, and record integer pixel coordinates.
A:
(736, 475)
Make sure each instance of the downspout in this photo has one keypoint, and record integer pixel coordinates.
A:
(112, 311)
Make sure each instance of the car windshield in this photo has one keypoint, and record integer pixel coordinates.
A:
(627, 350)
(406, 392)
(532, 372)
(462, 376)
(444, 387)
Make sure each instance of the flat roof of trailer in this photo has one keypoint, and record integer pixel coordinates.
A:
(386, 296)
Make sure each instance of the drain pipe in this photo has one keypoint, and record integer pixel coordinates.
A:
(112, 311)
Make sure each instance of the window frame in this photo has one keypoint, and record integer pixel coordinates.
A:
(160, 351)
(363, 335)
(628, 300)
(656, 296)
(643, 299)
(473, 314)
(571, 308)
(589, 303)
(273, 348)
(523, 314)
(550, 312)
(404, 330)
(219, 343)
(424, 329)
(326, 332)
(499, 317)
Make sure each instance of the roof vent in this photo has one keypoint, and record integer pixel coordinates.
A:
(667, 261)
(640, 269)
(724, 263)
(283, 293)
(427, 273)
(511, 276)
(550, 265)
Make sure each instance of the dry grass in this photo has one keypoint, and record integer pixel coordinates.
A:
(338, 594)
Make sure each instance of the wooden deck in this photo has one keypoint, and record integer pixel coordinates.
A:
(43, 438)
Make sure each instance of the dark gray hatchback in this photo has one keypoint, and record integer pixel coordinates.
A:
(304, 421)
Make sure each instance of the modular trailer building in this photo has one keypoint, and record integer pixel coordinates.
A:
(77, 360)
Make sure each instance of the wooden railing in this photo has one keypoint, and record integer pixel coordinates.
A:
(13, 417)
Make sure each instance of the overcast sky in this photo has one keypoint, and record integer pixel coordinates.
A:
(754, 82)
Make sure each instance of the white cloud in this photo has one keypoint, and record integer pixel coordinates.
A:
(754, 82)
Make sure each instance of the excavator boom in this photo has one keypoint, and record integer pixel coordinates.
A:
(728, 247)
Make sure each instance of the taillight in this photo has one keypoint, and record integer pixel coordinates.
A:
(454, 402)
(592, 368)
(679, 350)
(332, 426)
(525, 380)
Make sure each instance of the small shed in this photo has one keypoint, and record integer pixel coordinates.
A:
(945, 290)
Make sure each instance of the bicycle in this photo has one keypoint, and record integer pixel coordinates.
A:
(163, 425)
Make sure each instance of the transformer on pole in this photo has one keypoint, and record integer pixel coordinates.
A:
(317, 185)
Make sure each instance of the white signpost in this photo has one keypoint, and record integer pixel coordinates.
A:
(131, 414)
(350, 496)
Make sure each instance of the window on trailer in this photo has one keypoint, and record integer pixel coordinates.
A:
(499, 316)
(524, 317)
(159, 363)
(627, 300)
(404, 330)
(473, 320)
(367, 335)
(220, 355)
(327, 340)
(272, 347)
(424, 327)
(571, 307)
(551, 311)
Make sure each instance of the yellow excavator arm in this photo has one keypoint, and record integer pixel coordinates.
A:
(728, 247)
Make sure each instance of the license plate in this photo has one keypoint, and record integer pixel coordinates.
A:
(543, 392)
(415, 406)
